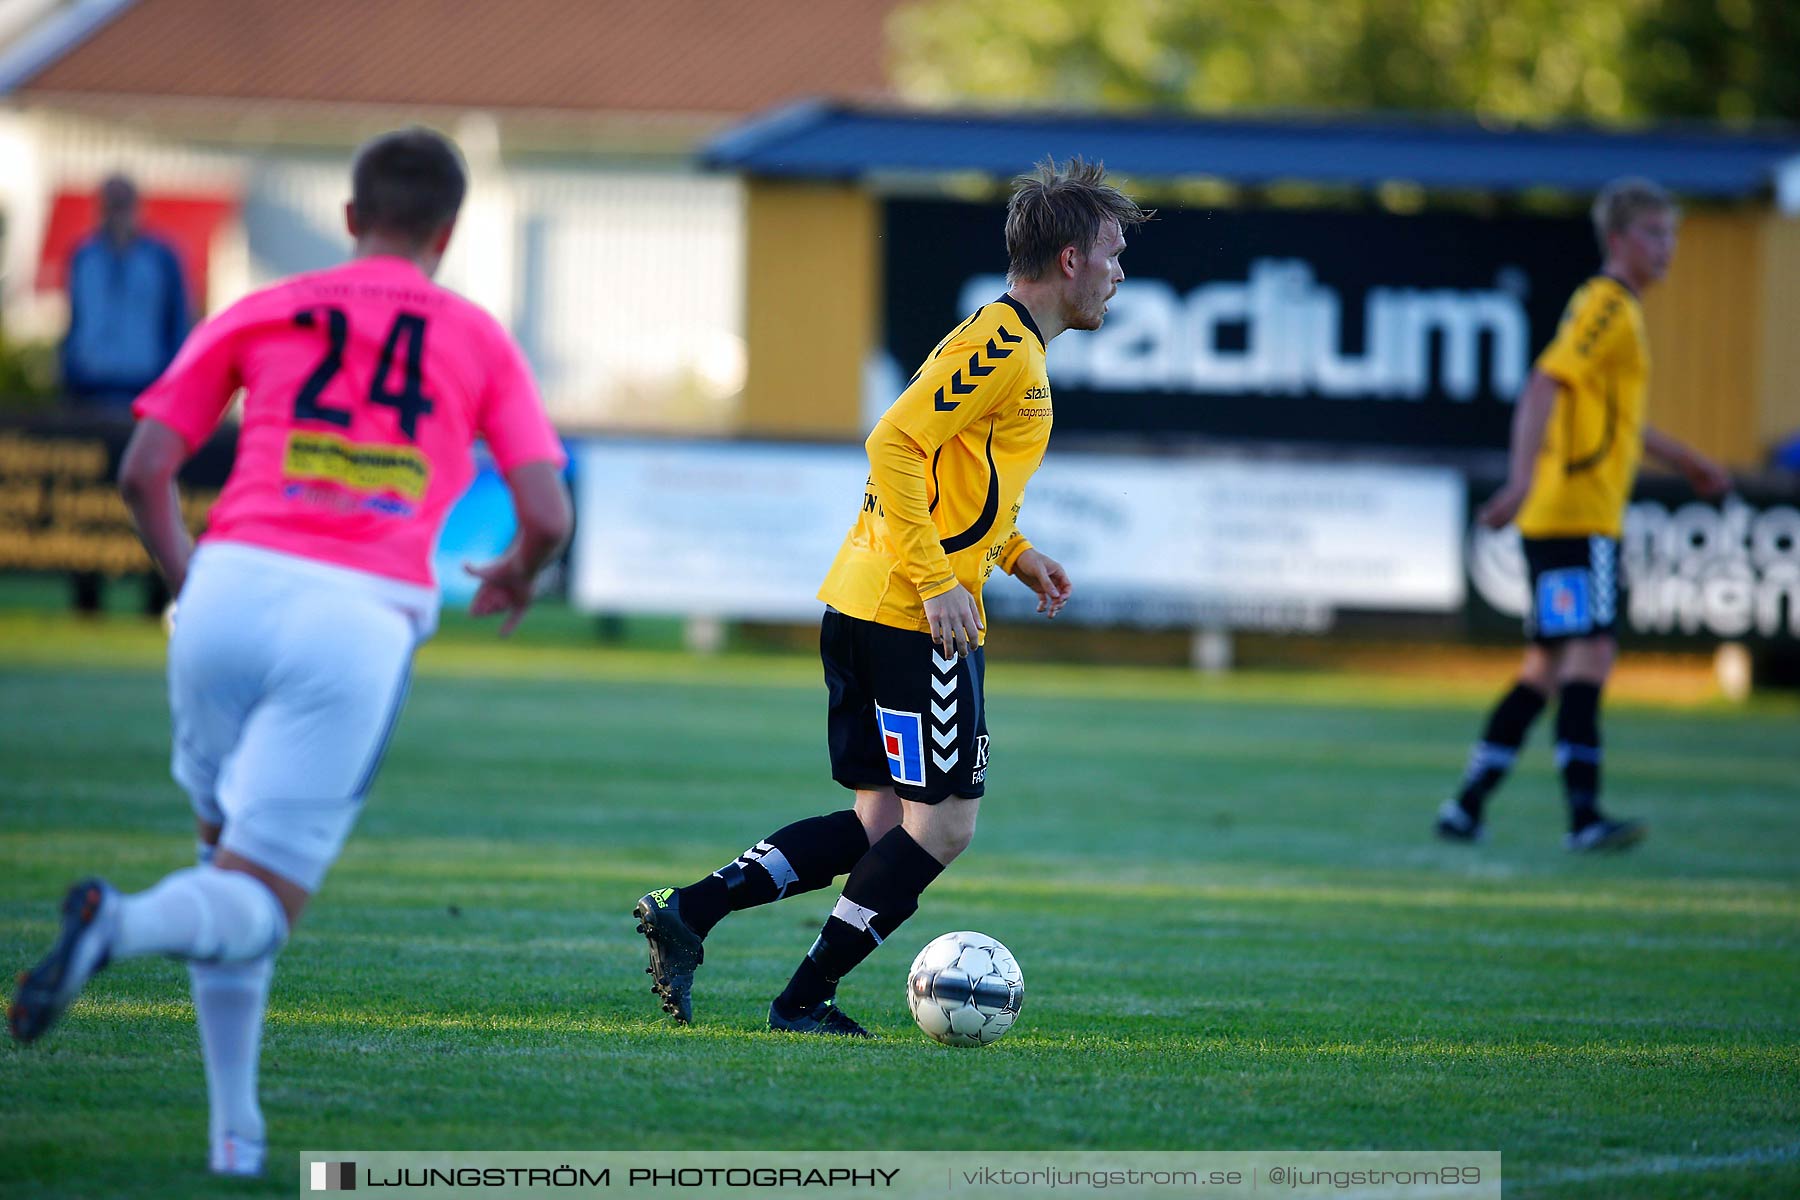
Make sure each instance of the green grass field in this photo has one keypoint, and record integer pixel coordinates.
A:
(1235, 930)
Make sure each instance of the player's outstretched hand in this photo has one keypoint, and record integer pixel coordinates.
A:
(955, 623)
(1503, 506)
(1045, 576)
(506, 586)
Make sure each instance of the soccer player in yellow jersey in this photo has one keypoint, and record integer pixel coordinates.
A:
(903, 628)
(1577, 436)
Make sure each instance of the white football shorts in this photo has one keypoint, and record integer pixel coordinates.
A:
(286, 677)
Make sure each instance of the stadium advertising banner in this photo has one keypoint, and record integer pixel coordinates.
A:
(740, 530)
(709, 529)
(60, 509)
(1354, 328)
(59, 500)
(1238, 544)
(1692, 570)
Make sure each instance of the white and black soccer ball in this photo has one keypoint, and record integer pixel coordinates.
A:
(965, 989)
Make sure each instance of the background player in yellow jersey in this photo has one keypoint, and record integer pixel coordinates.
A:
(903, 629)
(1577, 437)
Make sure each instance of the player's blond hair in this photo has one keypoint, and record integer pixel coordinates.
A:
(1623, 201)
(1056, 206)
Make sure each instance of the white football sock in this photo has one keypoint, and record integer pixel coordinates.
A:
(201, 913)
(229, 1001)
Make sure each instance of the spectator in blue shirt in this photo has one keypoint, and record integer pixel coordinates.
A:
(128, 314)
(128, 307)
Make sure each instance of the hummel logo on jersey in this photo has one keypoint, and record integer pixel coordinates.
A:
(977, 369)
(1598, 327)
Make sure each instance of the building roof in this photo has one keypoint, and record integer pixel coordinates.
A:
(833, 141)
(684, 56)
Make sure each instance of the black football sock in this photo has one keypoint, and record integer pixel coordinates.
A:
(880, 894)
(1578, 751)
(1494, 754)
(801, 857)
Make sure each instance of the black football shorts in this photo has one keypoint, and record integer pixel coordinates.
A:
(1575, 587)
(902, 714)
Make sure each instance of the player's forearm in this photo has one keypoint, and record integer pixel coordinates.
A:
(897, 468)
(156, 513)
(1530, 420)
(545, 517)
(536, 547)
(147, 483)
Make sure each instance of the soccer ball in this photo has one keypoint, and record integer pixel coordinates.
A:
(965, 989)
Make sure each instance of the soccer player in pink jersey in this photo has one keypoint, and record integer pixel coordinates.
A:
(299, 612)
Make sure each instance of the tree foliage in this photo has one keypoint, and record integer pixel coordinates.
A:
(1511, 60)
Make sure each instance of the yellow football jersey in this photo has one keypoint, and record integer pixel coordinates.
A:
(1589, 459)
(948, 464)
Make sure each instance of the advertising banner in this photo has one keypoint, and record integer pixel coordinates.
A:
(60, 509)
(59, 499)
(709, 529)
(1692, 571)
(747, 531)
(1242, 544)
(1322, 326)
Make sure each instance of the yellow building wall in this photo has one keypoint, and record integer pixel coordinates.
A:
(1778, 374)
(812, 288)
(1724, 327)
(1706, 338)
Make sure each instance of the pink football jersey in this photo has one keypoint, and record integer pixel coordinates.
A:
(364, 387)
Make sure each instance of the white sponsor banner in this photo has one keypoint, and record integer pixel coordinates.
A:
(710, 529)
(1333, 535)
(748, 530)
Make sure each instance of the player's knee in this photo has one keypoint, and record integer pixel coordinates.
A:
(878, 820)
(946, 842)
(1589, 660)
(1606, 652)
(290, 902)
(1542, 682)
(275, 918)
(1538, 671)
(243, 917)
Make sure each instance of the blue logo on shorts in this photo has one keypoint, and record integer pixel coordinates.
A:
(1565, 603)
(902, 736)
